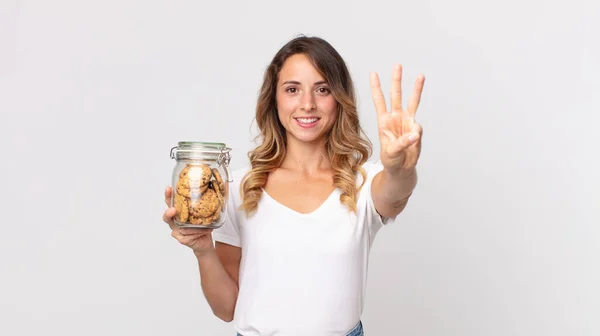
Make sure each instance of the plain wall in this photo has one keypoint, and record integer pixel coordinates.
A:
(501, 236)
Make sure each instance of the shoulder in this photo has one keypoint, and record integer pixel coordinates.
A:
(237, 174)
(370, 168)
(373, 166)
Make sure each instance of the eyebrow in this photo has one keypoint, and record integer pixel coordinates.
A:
(296, 82)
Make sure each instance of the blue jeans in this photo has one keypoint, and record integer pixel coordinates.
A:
(356, 331)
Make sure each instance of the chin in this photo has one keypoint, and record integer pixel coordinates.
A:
(309, 137)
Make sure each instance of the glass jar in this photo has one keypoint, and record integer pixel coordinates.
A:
(200, 183)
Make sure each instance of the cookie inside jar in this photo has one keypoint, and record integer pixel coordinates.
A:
(199, 195)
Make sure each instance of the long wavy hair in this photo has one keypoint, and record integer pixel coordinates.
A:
(347, 145)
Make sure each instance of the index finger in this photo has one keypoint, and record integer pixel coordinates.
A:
(413, 104)
(378, 97)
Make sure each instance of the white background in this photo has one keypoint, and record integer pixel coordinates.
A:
(501, 236)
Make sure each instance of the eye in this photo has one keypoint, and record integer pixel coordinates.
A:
(324, 90)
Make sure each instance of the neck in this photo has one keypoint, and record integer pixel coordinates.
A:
(305, 157)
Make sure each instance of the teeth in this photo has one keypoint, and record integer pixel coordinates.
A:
(307, 120)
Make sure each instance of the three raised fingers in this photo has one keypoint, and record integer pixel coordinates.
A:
(396, 93)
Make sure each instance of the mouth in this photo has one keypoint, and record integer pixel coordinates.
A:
(307, 122)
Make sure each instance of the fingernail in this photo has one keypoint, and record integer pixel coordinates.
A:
(412, 137)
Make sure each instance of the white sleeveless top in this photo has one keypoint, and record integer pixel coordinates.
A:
(301, 274)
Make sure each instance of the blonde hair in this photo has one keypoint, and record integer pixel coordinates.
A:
(347, 145)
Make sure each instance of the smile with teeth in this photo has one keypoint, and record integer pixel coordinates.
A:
(307, 120)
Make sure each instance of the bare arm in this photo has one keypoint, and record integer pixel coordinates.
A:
(392, 190)
(219, 271)
(218, 263)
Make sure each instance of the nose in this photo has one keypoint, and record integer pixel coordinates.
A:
(308, 101)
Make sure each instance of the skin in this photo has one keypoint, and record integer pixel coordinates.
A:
(303, 92)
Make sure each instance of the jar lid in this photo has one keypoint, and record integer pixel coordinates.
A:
(207, 151)
(199, 144)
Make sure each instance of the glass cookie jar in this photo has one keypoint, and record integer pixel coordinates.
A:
(200, 183)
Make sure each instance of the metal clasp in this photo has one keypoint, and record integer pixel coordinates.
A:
(225, 158)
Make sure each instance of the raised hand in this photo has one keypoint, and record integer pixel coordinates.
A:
(399, 133)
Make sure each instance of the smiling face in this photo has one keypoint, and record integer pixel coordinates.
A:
(306, 108)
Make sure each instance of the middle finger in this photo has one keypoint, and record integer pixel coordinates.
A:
(396, 94)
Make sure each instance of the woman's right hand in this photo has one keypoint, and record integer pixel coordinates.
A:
(198, 239)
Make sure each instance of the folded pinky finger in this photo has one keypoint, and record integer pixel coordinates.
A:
(417, 128)
(402, 143)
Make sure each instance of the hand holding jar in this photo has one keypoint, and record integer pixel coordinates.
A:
(199, 240)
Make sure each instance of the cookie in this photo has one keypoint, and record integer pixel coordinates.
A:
(219, 194)
(196, 220)
(205, 205)
(194, 181)
(194, 177)
(200, 174)
(206, 220)
(181, 204)
(213, 218)
(219, 180)
(196, 171)
(185, 190)
(200, 194)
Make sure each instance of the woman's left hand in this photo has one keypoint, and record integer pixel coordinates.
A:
(399, 133)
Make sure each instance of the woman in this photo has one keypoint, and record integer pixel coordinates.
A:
(292, 257)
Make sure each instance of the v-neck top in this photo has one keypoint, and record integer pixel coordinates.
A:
(334, 195)
(301, 273)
